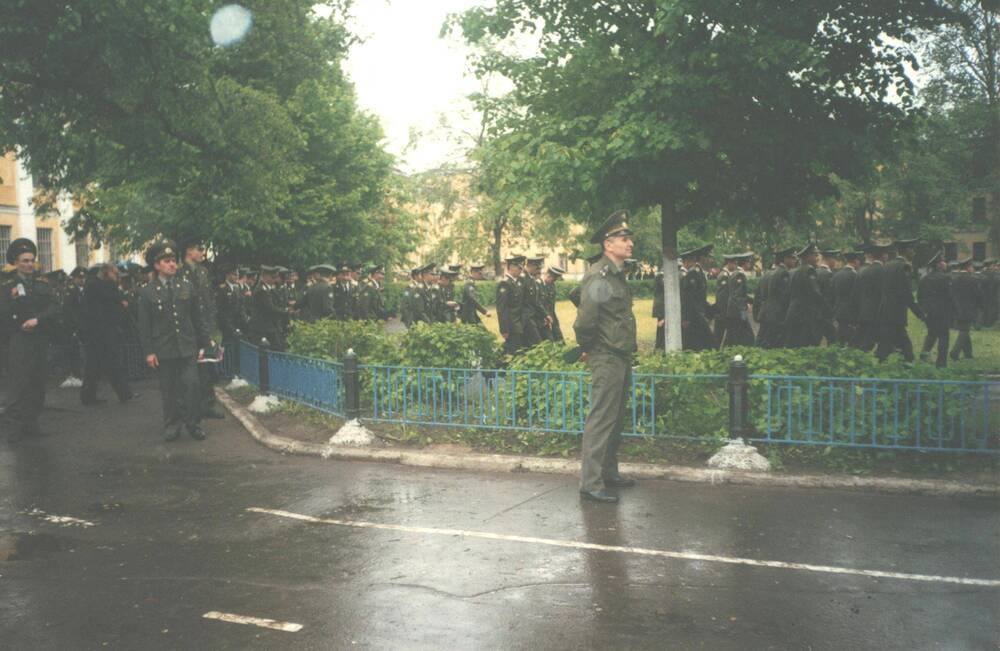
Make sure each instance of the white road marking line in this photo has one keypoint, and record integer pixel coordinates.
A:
(64, 520)
(289, 627)
(663, 553)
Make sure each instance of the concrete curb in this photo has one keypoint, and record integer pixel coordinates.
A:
(510, 463)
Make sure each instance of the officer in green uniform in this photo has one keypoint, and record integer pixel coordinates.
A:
(897, 298)
(806, 305)
(775, 297)
(193, 270)
(470, 307)
(870, 294)
(27, 308)
(827, 267)
(532, 314)
(553, 331)
(510, 311)
(269, 313)
(967, 298)
(846, 297)
(371, 299)
(722, 299)
(935, 299)
(319, 301)
(174, 334)
(606, 333)
(343, 295)
(736, 311)
(695, 331)
(230, 314)
(447, 308)
(411, 296)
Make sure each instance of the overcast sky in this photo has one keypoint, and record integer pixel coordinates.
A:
(409, 77)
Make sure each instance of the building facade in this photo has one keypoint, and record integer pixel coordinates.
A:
(18, 218)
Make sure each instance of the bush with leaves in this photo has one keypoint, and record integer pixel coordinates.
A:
(330, 339)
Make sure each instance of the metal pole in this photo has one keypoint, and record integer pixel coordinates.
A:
(352, 390)
(739, 406)
(265, 375)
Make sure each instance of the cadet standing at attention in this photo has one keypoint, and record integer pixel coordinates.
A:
(935, 299)
(27, 306)
(509, 306)
(606, 332)
(471, 308)
(174, 335)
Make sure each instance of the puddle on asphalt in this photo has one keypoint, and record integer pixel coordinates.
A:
(28, 546)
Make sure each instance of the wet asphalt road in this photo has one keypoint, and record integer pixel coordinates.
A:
(172, 540)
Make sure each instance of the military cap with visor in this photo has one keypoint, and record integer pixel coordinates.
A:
(615, 225)
(557, 271)
(515, 259)
(697, 252)
(160, 251)
(18, 247)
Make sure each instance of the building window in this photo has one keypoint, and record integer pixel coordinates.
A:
(979, 209)
(979, 251)
(950, 251)
(45, 249)
(4, 238)
(82, 251)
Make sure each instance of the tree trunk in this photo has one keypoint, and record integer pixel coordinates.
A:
(669, 225)
(498, 228)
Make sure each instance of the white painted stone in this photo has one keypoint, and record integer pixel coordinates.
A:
(237, 383)
(353, 434)
(264, 404)
(71, 383)
(737, 455)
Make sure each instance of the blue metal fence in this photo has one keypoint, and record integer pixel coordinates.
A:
(925, 415)
(930, 415)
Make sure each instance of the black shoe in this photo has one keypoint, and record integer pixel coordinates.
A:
(172, 433)
(93, 402)
(196, 432)
(619, 482)
(212, 413)
(131, 396)
(598, 496)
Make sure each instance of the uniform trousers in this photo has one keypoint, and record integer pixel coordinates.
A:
(531, 335)
(179, 391)
(102, 360)
(800, 334)
(963, 342)
(697, 335)
(867, 336)
(771, 335)
(513, 344)
(738, 333)
(892, 337)
(847, 332)
(27, 369)
(602, 432)
(937, 333)
(661, 338)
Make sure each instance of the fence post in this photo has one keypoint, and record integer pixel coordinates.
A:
(264, 371)
(739, 407)
(352, 390)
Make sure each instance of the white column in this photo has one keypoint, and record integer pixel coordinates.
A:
(24, 187)
(68, 249)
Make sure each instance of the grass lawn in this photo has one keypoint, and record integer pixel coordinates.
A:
(985, 343)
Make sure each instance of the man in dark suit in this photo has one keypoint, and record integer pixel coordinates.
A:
(510, 307)
(103, 313)
(897, 298)
(935, 299)
(847, 298)
(965, 290)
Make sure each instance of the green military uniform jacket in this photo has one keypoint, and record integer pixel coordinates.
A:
(172, 324)
(371, 303)
(605, 322)
(197, 275)
(269, 313)
(897, 294)
(343, 300)
(319, 301)
(935, 299)
(39, 302)
(230, 309)
(470, 308)
(510, 310)
(722, 293)
(737, 297)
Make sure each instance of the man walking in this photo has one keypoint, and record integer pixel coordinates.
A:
(846, 303)
(606, 332)
(935, 299)
(510, 306)
(27, 307)
(870, 295)
(174, 335)
(965, 289)
(103, 313)
(471, 308)
(897, 298)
